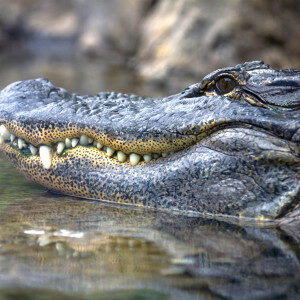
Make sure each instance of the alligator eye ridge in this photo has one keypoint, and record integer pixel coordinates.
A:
(225, 85)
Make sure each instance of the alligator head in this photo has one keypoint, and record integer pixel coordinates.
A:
(228, 145)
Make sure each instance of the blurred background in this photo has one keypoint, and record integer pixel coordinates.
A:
(150, 47)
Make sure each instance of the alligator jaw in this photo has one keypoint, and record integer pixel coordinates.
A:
(127, 128)
(198, 151)
(129, 124)
(86, 172)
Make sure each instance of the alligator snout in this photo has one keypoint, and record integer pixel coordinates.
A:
(225, 146)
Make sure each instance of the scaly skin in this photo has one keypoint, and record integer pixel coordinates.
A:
(232, 144)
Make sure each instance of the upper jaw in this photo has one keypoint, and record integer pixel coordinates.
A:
(43, 114)
(39, 112)
(52, 116)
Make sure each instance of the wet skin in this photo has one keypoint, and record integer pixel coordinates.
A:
(228, 145)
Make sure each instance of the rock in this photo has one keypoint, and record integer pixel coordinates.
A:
(183, 40)
(111, 26)
(97, 27)
(39, 19)
(11, 22)
(173, 43)
(56, 19)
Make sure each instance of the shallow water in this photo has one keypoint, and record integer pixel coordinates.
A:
(62, 247)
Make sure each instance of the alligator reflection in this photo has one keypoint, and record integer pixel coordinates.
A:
(75, 245)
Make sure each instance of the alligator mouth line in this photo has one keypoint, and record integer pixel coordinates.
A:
(60, 148)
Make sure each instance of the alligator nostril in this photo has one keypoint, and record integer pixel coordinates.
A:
(53, 93)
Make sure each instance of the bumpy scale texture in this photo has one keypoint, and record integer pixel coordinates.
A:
(230, 151)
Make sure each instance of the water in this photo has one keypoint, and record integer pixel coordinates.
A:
(79, 75)
(66, 248)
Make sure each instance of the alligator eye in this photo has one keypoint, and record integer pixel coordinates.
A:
(225, 85)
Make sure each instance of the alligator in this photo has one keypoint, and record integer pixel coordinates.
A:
(226, 146)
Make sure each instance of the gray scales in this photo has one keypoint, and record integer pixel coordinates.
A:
(228, 145)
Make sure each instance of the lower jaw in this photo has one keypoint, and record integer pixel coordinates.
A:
(66, 175)
(92, 175)
(64, 185)
(55, 179)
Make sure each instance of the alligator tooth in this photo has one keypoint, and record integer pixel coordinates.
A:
(74, 142)
(121, 156)
(83, 140)
(147, 158)
(98, 145)
(90, 140)
(21, 144)
(12, 138)
(46, 156)
(4, 133)
(60, 147)
(1, 140)
(110, 151)
(164, 154)
(33, 150)
(68, 143)
(134, 159)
